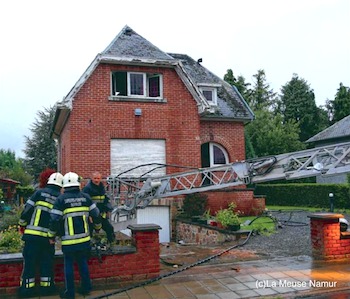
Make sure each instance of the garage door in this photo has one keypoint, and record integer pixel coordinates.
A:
(158, 215)
(129, 153)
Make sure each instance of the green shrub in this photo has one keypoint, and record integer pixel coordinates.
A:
(228, 216)
(195, 204)
(10, 240)
(307, 195)
(25, 191)
(10, 218)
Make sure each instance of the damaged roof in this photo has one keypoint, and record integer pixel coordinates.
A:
(129, 48)
(230, 103)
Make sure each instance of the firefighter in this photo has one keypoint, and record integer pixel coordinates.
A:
(96, 190)
(74, 208)
(34, 225)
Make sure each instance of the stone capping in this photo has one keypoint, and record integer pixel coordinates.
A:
(334, 217)
(144, 227)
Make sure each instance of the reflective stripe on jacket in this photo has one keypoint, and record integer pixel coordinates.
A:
(36, 213)
(73, 208)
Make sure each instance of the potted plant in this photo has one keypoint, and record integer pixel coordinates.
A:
(228, 218)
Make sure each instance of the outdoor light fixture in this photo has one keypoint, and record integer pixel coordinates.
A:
(138, 112)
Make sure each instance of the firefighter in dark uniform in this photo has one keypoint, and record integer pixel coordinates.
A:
(96, 190)
(74, 208)
(34, 224)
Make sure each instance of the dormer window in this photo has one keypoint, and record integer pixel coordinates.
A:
(210, 93)
(138, 85)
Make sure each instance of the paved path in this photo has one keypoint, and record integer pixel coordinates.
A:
(291, 277)
(294, 277)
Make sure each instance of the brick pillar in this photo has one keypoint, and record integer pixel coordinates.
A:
(325, 235)
(146, 240)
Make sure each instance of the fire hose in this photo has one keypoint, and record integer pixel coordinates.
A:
(173, 272)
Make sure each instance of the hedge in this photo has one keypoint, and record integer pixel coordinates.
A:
(307, 195)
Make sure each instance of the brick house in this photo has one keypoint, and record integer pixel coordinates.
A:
(136, 104)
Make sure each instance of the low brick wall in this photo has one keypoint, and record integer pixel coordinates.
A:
(128, 265)
(192, 233)
(328, 242)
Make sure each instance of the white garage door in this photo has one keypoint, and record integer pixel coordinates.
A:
(129, 153)
(158, 215)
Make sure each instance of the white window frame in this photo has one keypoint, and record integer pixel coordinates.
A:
(145, 89)
(160, 84)
(129, 74)
(213, 91)
(211, 154)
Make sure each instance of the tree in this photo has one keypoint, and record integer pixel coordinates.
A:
(240, 83)
(274, 136)
(340, 106)
(40, 149)
(261, 96)
(13, 168)
(297, 103)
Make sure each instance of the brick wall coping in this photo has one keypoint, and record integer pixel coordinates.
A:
(144, 227)
(15, 257)
(326, 216)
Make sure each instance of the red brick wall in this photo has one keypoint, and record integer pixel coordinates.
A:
(229, 134)
(244, 199)
(118, 270)
(94, 121)
(326, 240)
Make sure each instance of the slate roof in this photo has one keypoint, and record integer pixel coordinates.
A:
(230, 103)
(340, 129)
(130, 44)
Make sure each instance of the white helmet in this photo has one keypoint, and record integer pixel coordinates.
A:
(55, 179)
(344, 224)
(71, 179)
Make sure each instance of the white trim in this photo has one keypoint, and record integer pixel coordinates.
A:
(213, 91)
(143, 84)
(211, 153)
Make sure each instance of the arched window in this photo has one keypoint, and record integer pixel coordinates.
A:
(213, 154)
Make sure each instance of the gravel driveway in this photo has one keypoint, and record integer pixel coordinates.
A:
(291, 239)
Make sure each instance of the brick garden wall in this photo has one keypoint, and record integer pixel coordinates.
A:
(130, 265)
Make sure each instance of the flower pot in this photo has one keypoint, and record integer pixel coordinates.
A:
(212, 222)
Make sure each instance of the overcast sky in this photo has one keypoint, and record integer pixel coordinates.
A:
(47, 45)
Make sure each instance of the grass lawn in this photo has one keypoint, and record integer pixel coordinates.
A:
(262, 224)
(267, 225)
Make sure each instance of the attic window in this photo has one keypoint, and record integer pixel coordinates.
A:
(210, 94)
(135, 84)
